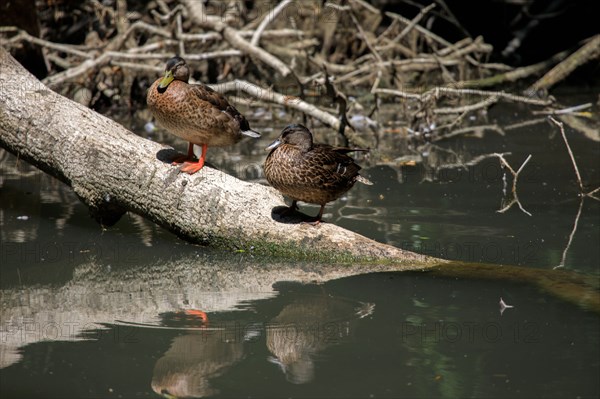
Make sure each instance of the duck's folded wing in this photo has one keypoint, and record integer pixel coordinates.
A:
(334, 164)
(220, 103)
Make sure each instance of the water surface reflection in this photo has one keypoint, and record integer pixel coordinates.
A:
(99, 313)
(397, 335)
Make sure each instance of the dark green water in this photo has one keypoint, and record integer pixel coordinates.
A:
(110, 313)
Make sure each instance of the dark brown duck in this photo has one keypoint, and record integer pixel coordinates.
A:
(308, 172)
(196, 113)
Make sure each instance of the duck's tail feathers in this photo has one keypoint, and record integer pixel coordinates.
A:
(251, 133)
(364, 180)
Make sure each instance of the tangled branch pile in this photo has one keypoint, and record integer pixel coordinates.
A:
(324, 60)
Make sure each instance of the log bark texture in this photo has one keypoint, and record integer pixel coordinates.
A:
(114, 171)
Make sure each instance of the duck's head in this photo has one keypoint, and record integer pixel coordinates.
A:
(295, 135)
(176, 69)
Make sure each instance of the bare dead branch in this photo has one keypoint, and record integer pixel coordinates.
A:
(413, 22)
(467, 108)
(26, 37)
(573, 162)
(197, 12)
(587, 52)
(76, 71)
(364, 36)
(576, 109)
(267, 20)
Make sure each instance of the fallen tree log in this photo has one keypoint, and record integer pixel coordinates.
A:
(114, 171)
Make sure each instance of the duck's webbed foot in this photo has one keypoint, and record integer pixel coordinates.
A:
(317, 219)
(190, 166)
(190, 157)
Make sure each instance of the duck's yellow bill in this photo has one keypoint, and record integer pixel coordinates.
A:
(166, 80)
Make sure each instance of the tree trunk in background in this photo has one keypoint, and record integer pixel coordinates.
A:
(114, 171)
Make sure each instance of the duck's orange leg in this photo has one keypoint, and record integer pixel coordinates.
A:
(184, 158)
(197, 313)
(193, 167)
(317, 219)
(291, 209)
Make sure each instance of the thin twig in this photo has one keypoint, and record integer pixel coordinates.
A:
(524, 124)
(267, 20)
(465, 165)
(573, 230)
(427, 33)
(138, 66)
(364, 37)
(177, 9)
(467, 108)
(179, 32)
(501, 94)
(367, 6)
(108, 56)
(390, 28)
(214, 54)
(569, 110)
(66, 48)
(413, 22)
(455, 47)
(564, 136)
(76, 71)
(512, 75)
(399, 93)
(436, 91)
(141, 25)
(592, 193)
(153, 47)
(468, 129)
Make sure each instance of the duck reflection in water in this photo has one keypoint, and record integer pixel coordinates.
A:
(295, 337)
(303, 329)
(191, 362)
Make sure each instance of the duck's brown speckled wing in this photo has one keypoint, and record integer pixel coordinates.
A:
(220, 103)
(336, 168)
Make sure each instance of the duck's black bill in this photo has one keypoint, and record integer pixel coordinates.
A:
(273, 145)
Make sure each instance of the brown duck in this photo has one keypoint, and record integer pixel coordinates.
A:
(195, 113)
(308, 172)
